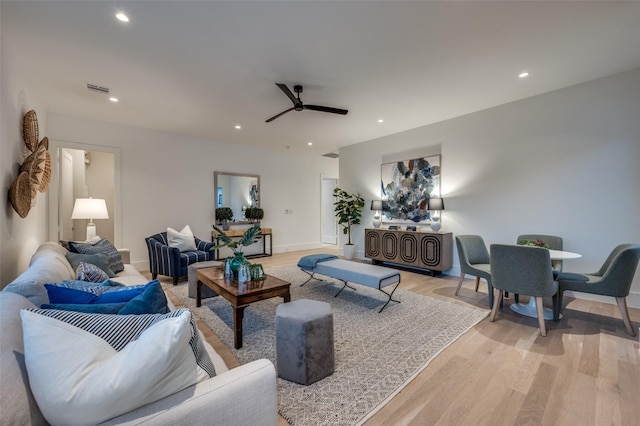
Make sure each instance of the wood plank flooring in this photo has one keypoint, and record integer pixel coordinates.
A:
(585, 372)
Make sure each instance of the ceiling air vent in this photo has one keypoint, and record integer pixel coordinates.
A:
(98, 89)
(331, 155)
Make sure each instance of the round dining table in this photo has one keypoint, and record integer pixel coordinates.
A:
(529, 309)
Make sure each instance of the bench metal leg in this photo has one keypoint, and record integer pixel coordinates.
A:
(346, 284)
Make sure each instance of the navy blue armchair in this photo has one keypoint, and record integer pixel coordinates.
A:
(169, 261)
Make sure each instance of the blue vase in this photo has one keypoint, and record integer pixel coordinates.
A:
(238, 260)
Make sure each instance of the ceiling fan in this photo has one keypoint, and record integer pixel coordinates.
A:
(299, 106)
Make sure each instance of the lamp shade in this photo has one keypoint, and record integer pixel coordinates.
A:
(435, 204)
(90, 208)
(376, 205)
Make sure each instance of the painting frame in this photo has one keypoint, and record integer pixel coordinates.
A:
(406, 187)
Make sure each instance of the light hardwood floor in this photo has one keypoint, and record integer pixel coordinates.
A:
(585, 372)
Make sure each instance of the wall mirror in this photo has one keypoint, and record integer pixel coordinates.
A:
(238, 191)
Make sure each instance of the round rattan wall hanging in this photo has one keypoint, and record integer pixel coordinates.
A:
(35, 171)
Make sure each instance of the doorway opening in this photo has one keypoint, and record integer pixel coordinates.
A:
(84, 171)
(329, 222)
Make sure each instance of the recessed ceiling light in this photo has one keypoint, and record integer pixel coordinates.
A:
(309, 143)
(238, 127)
(121, 16)
(380, 120)
(523, 74)
(112, 99)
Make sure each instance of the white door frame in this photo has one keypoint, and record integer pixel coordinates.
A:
(328, 220)
(55, 146)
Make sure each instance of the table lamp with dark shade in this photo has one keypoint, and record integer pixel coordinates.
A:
(435, 205)
(377, 206)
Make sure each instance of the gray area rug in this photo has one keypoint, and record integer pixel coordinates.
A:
(376, 354)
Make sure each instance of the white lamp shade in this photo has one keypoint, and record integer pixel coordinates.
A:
(435, 204)
(90, 208)
(376, 205)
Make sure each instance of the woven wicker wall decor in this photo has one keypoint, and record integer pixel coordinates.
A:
(35, 171)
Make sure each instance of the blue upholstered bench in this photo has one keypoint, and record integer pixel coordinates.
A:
(347, 271)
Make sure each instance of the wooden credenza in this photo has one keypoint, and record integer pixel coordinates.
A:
(424, 250)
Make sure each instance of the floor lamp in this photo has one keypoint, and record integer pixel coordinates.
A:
(90, 208)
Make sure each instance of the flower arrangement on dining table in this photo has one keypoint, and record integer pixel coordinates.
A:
(533, 243)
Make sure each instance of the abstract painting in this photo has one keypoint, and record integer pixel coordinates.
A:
(406, 187)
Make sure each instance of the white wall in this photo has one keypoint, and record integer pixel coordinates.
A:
(19, 237)
(563, 163)
(167, 180)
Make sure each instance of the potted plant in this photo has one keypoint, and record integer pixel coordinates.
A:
(223, 216)
(348, 210)
(250, 236)
(254, 214)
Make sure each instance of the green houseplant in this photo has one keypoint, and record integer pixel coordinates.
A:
(254, 214)
(348, 210)
(250, 236)
(223, 216)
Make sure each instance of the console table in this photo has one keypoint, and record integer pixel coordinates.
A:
(238, 233)
(424, 250)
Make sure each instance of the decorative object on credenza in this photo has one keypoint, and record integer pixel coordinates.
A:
(90, 208)
(376, 205)
(348, 210)
(411, 228)
(250, 236)
(435, 205)
(406, 187)
(35, 171)
(223, 216)
(394, 227)
(254, 214)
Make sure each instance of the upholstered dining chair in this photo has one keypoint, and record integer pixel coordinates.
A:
(613, 279)
(474, 260)
(170, 261)
(554, 243)
(522, 270)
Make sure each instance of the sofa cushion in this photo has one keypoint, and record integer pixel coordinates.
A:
(90, 273)
(102, 246)
(98, 259)
(152, 356)
(48, 264)
(17, 404)
(182, 240)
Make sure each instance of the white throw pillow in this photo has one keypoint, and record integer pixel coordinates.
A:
(183, 240)
(79, 378)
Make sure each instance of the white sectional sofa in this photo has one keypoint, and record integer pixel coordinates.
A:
(245, 395)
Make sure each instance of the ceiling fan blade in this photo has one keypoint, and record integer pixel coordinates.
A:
(278, 115)
(287, 92)
(326, 109)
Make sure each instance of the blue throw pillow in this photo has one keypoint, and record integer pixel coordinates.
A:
(151, 301)
(92, 308)
(120, 295)
(59, 294)
(91, 273)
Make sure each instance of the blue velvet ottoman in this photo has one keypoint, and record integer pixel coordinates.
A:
(304, 341)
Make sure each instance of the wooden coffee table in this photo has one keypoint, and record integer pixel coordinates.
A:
(240, 295)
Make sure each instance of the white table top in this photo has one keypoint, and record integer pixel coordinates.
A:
(563, 255)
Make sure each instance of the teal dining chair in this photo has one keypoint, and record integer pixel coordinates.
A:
(474, 260)
(613, 279)
(522, 270)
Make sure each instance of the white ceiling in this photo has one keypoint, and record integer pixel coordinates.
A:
(200, 68)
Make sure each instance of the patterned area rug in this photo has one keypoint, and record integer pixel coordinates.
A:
(376, 354)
